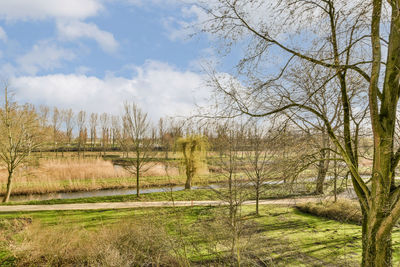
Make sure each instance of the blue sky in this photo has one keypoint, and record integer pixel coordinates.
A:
(96, 54)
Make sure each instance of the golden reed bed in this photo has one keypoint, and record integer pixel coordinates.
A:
(77, 174)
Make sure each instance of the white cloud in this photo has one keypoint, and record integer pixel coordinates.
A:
(82, 70)
(43, 9)
(158, 88)
(3, 35)
(43, 56)
(72, 30)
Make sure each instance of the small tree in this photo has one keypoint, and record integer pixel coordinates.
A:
(19, 135)
(193, 149)
(93, 132)
(104, 122)
(68, 118)
(56, 120)
(81, 123)
(230, 162)
(137, 128)
(259, 163)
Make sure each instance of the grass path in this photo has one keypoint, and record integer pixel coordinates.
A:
(136, 204)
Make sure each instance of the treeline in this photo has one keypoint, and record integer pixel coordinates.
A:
(82, 131)
(143, 144)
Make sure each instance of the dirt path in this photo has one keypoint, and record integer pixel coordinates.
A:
(127, 205)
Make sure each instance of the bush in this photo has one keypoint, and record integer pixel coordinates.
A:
(128, 244)
(343, 210)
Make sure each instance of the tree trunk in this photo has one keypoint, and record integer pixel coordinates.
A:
(9, 184)
(137, 185)
(257, 200)
(335, 176)
(323, 165)
(321, 177)
(376, 242)
(189, 174)
(188, 184)
(137, 173)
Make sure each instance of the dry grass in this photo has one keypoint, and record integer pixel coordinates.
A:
(139, 243)
(84, 174)
(343, 210)
(68, 174)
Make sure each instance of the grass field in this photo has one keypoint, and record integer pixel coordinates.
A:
(281, 236)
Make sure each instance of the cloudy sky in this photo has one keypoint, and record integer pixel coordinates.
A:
(96, 54)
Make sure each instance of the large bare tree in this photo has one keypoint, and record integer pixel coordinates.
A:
(355, 41)
(19, 135)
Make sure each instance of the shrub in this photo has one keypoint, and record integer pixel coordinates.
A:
(343, 210)
(126, 244)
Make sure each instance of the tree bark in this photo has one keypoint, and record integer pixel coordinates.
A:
(188, 184)
(323, 164)
(322, 170)
(137, 173)
(257, 200)
(376, 241)
(137, 185)
(9, 184)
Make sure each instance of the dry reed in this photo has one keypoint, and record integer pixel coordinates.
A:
(84, 174)
(125, 244)
(66, 174)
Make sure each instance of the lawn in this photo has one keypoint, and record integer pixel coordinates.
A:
(281, 236)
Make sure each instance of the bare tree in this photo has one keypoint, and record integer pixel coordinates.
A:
(68, 117)
(20, 134)
(115, 129)
(137, 128)
(82, 131)
(104, 124)
(162, 134)
(56, 120)
(230, 161)
(93, 129)
(43, 120)
(44, 115)
(260, 158)
(348, 42)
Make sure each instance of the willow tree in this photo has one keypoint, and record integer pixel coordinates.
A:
(354, 42)
(19, 135)
(193, 149)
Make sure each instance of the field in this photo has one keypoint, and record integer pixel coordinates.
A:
(281, 236)
(192, 236)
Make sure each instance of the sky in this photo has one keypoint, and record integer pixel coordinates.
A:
(94, 55)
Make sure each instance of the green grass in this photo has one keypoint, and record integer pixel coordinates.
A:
(291, 238)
